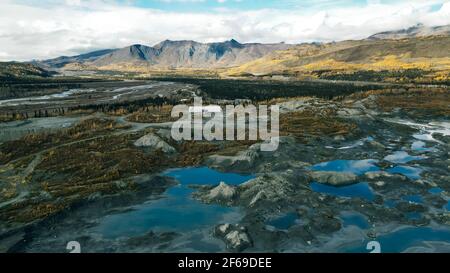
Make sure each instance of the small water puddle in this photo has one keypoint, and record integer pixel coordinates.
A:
(435, 190)
(402, 157)
(361, 190)
(410, 172)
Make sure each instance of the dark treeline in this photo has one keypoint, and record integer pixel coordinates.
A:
(130, 106)
(371, 75)
(125, 107)
(265, 90)
(39, 113)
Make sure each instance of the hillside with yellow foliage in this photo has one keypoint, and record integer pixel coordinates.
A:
(431, 55)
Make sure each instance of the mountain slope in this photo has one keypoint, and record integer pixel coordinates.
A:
(418, 30)
(13, 70)
(419, 47)
(415, 53)
(168, 55)
(63, 60)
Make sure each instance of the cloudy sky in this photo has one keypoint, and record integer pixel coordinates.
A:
(40, 29)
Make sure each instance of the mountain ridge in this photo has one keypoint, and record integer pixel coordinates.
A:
(418, 30)
(430, 53)
(170, 54)
(416, 47)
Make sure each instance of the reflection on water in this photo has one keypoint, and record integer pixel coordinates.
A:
(206, 176)
(402, 157)
(354, 166)
(176, 211)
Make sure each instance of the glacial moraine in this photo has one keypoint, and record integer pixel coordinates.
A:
(346, 172)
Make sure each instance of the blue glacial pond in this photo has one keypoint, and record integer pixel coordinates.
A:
(354, 166)
(176, 210)
(401, 240)
(410, 172)
(361, 190)
(206, 176)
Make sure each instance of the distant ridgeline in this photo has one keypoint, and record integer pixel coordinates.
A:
(416, 60)
(167, 55)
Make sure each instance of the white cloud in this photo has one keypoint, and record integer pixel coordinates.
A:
(39, 32)
(172, 1)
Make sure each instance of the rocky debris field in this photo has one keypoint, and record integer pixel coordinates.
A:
(347, 171)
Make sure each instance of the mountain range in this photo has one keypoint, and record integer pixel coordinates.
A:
(417, 47)
(168, 55)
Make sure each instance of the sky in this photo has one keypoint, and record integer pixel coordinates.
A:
(42, 29)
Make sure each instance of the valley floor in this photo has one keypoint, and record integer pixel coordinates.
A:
(98, 166)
